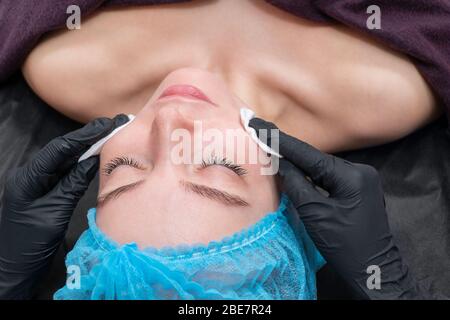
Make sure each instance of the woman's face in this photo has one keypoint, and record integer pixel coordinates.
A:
(158, 189)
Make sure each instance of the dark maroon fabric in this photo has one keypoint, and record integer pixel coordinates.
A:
(418, 28)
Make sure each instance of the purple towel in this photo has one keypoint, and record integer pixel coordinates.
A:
(418, 28)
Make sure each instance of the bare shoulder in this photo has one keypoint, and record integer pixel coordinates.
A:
(82, 73)
(358, 93)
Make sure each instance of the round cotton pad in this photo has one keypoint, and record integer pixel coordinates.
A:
(246, 116)
(96, 148)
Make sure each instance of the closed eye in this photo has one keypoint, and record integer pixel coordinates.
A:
(213, 160)
(121, 161)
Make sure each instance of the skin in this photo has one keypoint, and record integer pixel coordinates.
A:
(325, 84)
(160, 212)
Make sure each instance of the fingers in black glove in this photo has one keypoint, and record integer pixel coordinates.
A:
(327, 171)
(350, 226)
(38, 202)
(76, 182)
(295, 182)
(52, 162)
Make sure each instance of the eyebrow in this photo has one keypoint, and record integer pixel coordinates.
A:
(223, 197)
(114, 194)
(217, 195)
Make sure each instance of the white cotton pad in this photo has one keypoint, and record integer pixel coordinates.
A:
(96, 148)
(246, 116)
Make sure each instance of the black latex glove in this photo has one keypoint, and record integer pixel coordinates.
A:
(349, 226)
(38, 202)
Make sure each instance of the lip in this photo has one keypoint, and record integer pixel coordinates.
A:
(184, 90)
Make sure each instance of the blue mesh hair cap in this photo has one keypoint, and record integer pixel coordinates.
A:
(272, 259)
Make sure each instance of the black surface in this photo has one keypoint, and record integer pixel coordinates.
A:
(415, 172)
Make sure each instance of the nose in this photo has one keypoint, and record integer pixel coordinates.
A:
(171, 136)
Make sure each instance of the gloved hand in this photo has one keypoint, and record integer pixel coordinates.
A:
(349, 226)
(38, 202)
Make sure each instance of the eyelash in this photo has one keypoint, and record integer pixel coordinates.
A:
(120, 161)
(213, 160)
